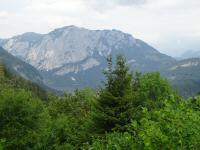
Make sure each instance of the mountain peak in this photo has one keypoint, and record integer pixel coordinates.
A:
(28, 37)
(70, 27)
(77, 28)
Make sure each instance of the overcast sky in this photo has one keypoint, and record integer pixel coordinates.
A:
(171, 26)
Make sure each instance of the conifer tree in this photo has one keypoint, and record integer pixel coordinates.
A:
(113, 109)
(2, 70)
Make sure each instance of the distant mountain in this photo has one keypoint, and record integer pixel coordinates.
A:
(190, 54)
(185, 76)
(73, 57)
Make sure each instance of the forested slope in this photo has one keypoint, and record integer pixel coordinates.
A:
(131, 111)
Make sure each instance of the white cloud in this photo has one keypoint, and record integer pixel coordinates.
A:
(160, 22)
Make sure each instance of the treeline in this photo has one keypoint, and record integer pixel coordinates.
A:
(131, 111)
(9, 80)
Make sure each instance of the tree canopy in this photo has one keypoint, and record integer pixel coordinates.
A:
(132, 110)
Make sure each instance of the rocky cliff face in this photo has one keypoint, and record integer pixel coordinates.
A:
(73, 49)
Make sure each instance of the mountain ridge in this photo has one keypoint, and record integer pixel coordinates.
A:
(190, 54)
(18, 67)
(72, 57)
(101, 41)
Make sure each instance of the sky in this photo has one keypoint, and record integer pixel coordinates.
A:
(171, 26)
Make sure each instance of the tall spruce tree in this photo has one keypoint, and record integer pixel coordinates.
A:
(2, 70)
(113, 109)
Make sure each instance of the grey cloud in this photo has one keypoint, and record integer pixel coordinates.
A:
(101, 5)
(130, 2)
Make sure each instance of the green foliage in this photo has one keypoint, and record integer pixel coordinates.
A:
(152, 90)
(15, 82)
(176, 126)
(113, 107)
(1, 144)
(132, 111)
(63, 133)
(2, 70)
(153, 87)
(119, 79)
(24, 120)
(114, 141)
(70, 116)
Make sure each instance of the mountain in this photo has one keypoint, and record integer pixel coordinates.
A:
(18, 67)
(190, 54)
(72, 57)
(185, 76)
(25, 72)
(16, 74)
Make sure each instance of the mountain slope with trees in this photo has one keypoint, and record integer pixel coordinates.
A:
(18, 67)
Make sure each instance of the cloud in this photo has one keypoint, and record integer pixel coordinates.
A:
(104, 5)
(118, 2)
(130, 2)
(159, 22)
(3, 15)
